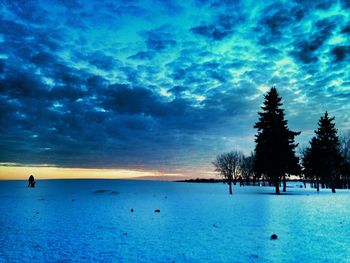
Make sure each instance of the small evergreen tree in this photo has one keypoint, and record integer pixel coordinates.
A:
(324, 158)
(275, 148)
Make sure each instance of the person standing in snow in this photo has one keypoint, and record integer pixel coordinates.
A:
(31, 181)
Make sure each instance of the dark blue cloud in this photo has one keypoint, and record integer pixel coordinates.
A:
(159, 39)
(276, 20)
(341, 53)
(222, 26)
(143, 55)
(172, 8)
(306, 50)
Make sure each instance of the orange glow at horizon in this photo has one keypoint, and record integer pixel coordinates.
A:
(42, 172)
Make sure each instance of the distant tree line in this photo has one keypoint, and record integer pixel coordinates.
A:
(325, 162)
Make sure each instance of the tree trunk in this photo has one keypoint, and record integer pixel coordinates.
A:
(277, 185)
(333, 184)
(230, 187)
(284, 183)
(317, 184)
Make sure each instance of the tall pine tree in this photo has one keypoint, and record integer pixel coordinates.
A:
(324, 159)
(275, 147)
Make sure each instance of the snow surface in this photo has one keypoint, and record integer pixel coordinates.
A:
(196, 223)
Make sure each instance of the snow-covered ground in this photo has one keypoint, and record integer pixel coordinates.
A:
(77, 221)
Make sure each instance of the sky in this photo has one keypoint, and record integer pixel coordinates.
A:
(155, 87)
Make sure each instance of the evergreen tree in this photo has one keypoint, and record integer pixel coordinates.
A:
(275, 148)
(324, 158)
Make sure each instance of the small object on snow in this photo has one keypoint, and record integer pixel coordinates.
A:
(131, 210)
(37, 213)
(72, 200)
(214, 225)
(102, 191)
(125, 234)
(157, 211)
(273, 237)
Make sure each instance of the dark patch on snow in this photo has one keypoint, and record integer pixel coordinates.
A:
(157, 211)
(274, 237)
(131, 210)
(102, 191)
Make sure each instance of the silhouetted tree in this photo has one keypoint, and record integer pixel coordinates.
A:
(310, 165)
(345, 144)
(327, 152)
(247, 168)
(345, 149)
(227, 164)
(275, 148)
(324, 158)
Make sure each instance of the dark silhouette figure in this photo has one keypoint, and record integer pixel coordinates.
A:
(31, 181)
(275, 148)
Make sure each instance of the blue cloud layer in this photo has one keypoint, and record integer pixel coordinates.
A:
(165, 85)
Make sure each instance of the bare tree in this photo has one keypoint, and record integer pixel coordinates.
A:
(228, 164)
(345, 149)
(345, 144)
(247, 168)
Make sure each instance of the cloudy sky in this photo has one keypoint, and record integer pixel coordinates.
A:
(163, 85)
